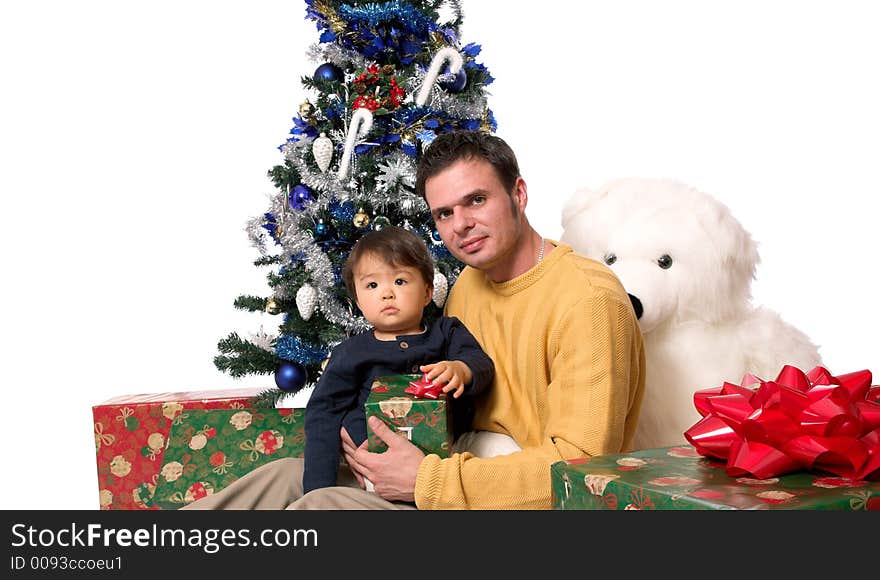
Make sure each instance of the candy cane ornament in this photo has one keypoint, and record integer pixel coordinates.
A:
(361, 121)
(445, 55)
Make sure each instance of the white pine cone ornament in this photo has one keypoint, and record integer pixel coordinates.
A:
(441, 288)
(306, 298)
(322, 149)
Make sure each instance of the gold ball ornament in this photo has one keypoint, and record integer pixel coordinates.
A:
(272, 306)
(361, 220)
(306, 109)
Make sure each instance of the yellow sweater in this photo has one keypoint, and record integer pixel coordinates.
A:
(569, 378)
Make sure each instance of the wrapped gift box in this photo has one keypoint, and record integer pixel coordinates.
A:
(679, 478)
(210, 449)
(131, 433)
(425, 422)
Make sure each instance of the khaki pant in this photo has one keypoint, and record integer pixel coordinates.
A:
(278, 486)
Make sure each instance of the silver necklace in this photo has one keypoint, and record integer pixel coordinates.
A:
(541, 253)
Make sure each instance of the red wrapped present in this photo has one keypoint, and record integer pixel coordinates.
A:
(813, 421)
(131, 432)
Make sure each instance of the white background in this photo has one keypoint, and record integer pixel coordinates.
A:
(135, 139)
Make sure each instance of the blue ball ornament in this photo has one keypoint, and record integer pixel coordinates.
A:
(328, 72)
(290, 376)
(321, 229)
(435, 237)
(299, 196)
(457, 84)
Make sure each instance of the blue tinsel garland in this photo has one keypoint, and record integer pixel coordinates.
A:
(395, 11)
(294, 349)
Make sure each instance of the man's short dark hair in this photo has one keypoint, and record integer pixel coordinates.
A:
(396, 246)
(453, 146)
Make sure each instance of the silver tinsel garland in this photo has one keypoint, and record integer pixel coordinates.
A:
(296, 243)
(409, 204)
(257, 235)
(394, 184)
(458, 106)
(324, 184)
(333, 53)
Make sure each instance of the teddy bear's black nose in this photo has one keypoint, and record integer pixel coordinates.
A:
(637, 305)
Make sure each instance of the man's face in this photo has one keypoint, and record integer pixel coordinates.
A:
(479, 221)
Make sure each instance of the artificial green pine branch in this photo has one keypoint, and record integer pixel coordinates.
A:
(239, 357)
(258, 304)
(268, 399)
(378, 183)
(284, 176)
(267, 260)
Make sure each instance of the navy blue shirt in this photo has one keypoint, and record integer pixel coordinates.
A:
(339, 396)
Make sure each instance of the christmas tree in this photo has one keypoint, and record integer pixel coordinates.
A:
(391, 77)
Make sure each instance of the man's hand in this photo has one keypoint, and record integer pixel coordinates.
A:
(348, 449)
(454, 373)
(393, 472)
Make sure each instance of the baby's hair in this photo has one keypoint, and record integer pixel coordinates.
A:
(395, 246)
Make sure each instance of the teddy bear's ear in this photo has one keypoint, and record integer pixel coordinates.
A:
(736, 248)
(580, 201)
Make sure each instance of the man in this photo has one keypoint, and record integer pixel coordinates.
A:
(569, 364)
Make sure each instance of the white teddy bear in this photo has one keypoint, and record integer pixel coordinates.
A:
(687, 265)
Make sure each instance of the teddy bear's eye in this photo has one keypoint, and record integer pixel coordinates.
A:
(610, 258)
(664, 261)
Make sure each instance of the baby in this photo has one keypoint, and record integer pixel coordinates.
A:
(390, 275)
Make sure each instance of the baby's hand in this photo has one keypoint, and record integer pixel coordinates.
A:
(454, 373)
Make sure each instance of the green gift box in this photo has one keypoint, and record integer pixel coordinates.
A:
(425, 422)
(210, 449)
(679, 478)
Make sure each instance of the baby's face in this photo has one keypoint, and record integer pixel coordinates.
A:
(391, 297)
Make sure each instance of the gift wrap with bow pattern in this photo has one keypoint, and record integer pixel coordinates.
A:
(679, 478)
(426, 422)
(131, 434)
(211, 449)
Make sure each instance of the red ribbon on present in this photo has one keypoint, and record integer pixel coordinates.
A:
(424, 388)
(797, 422)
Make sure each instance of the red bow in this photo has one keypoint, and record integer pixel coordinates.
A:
(424, 388)
(812, 421)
